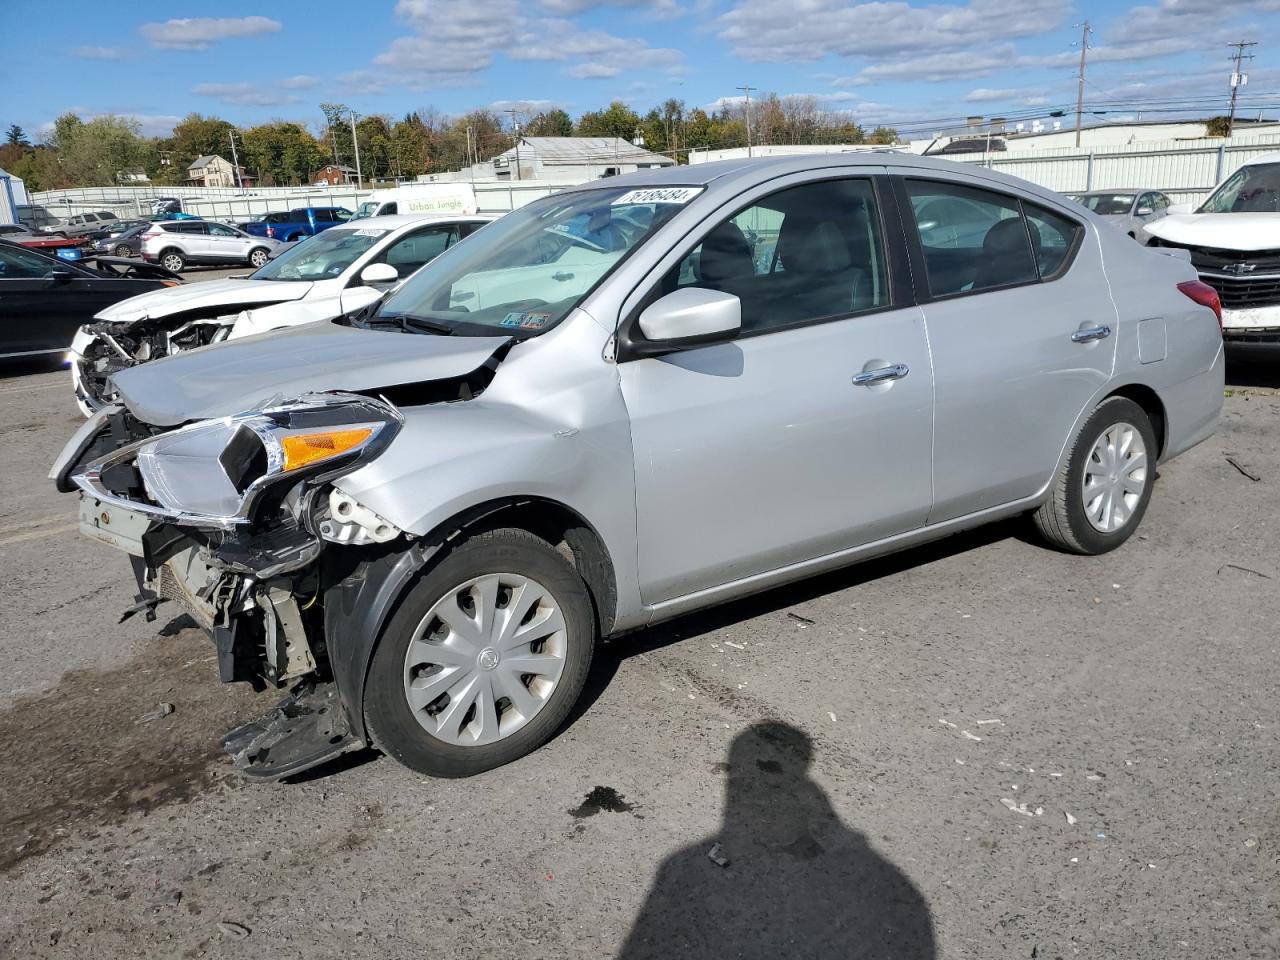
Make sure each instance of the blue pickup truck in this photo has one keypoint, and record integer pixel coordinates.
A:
(296, 224)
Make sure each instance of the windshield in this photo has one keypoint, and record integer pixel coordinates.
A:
(1107, 204)
(524, 273)
(320, 257)
(1252, 189)
(366, 209)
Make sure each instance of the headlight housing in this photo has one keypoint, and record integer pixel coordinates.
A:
(212, 473)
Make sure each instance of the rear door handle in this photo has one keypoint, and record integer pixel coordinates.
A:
(895, 371)
(1089, 334)
(562, 276)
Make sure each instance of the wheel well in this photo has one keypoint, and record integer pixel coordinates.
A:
(1151, 404)
(168, 250)
(563, 529)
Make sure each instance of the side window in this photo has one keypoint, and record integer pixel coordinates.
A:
(388, 209)
(414, 251)
(104, 216)
(1054, 237)
(218, 230)
(973, 239)
(1162, 202)
(18, 264)
(296, 215)
(802, 254)
(324, 215)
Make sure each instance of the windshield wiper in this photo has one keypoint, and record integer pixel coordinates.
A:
(412, 321)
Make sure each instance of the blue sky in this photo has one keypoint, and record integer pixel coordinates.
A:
(909, 63)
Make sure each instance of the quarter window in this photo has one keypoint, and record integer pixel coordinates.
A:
(802, 254)
(1054, 237)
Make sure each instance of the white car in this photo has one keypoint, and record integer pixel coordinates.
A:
(1234, 242)
(341, 270)
(175, 244)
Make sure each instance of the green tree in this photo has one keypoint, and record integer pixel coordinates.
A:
(883, 135)
(337, 136)
(375, 146)
(550, 123)
(16, 136)
(617, 120)
(281, 152)
(410, 146)
(197, 136)
(94, 153)
(1217, 127)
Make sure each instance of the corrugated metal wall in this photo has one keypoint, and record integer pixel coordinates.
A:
(1186, 170)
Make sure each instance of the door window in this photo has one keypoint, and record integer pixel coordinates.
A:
(800, 255)
(410, 253)
(973, 239)
(218, 230)
(18, 264)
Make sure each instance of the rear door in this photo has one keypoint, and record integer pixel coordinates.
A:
(1021, 331)
(41, 311)
(774, 449)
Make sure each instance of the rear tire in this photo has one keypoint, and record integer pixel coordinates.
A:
(123, 250)
(173, 261)
(1102, 491)
(514, 682)
(258, 256)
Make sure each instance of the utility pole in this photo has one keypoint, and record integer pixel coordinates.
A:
(1238, 79)
(1084, 50)
(355, 142)
(747, 90)
(515, 131)
(235, 162)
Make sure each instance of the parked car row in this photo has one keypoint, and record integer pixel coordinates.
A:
(620, 403)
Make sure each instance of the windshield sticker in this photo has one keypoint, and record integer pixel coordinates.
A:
(535, 321)
(512, 320)
(658, 195)
(369, 232)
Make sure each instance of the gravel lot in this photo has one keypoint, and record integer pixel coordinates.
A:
(855, 744)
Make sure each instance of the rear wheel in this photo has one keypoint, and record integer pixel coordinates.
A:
(1103, 489)
(173, 261)
(123, 250)
(258, 256)
(484, 658)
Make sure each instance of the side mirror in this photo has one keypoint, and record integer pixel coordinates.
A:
(1144, 211)
(1181, 208)
(376, 273)
(686, 318)
(60, 275)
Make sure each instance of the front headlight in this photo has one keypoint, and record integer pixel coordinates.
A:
(212, 472)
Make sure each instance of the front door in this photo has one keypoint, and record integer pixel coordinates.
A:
(1022, 331)
(808, 434)
(223, 243)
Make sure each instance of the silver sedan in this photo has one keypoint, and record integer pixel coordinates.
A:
(628, 401)
(1130, 210)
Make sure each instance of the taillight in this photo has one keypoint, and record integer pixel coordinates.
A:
(1205, 295)
(152, 234)
(271, 231)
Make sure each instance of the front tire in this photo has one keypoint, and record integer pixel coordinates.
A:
(483, 660)
(1103, 489)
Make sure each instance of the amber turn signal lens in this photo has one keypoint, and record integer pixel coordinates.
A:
(304, 449)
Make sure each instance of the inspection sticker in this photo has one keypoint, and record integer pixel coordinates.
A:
(369, 232)
(659, 195)
(533, 321)
(512, 320)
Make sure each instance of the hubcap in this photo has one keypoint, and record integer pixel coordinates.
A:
(1114, 477)
(485, 659)
(172, 264)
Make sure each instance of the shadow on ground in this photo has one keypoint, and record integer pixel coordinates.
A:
(783, 877)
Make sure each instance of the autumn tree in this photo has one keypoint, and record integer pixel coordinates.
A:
(281, 152)
(196, 136)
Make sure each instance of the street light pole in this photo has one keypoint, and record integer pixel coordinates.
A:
(355, 142)
(235, 162)
(747, 90)
(515, 130)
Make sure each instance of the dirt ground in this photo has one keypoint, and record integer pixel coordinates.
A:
(977, 749)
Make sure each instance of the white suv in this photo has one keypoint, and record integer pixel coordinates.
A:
(176, 243)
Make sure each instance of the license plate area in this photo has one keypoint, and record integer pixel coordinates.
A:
(113, 525)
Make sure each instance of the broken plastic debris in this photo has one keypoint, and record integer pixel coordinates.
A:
(959, 761)
(802, 621)
(1095, 777)
(1071, 821)
(971, 736)
(1251, 843)
(983, 723)
(946, 723)
(832, 716)
(714, 856)
(237, 930)
(1017, 807)
(1039, 811)
(736, 646)
(158, 713)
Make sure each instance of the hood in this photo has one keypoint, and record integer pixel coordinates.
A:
(235, 376)
(1222, 231)
(1116, 218)
(204, 295)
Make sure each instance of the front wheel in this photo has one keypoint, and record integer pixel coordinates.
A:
(1103, 490)
(258, 256)
(483, 660)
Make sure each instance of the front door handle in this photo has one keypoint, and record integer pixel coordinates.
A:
(562, 276)
(895, 371)
(1089, 334)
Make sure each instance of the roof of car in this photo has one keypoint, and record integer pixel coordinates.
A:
(1265, 158)
(1113, 190)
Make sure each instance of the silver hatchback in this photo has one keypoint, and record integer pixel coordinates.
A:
(628, 401)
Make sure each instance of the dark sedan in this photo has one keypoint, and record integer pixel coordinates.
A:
(125, 243)
(44, 300)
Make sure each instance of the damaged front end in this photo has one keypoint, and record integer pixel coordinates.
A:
(229, 518)
(103, 349)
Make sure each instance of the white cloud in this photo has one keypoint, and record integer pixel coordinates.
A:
(659, 8)
(244, 94)
(201, 33)
(938, 67)
(523, 106)
(301, 81)
(593, 71)
(988, 95)
(765, 30)
(100, 53)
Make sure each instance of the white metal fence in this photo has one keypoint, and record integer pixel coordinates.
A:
(1185, 170)
(239, 205)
